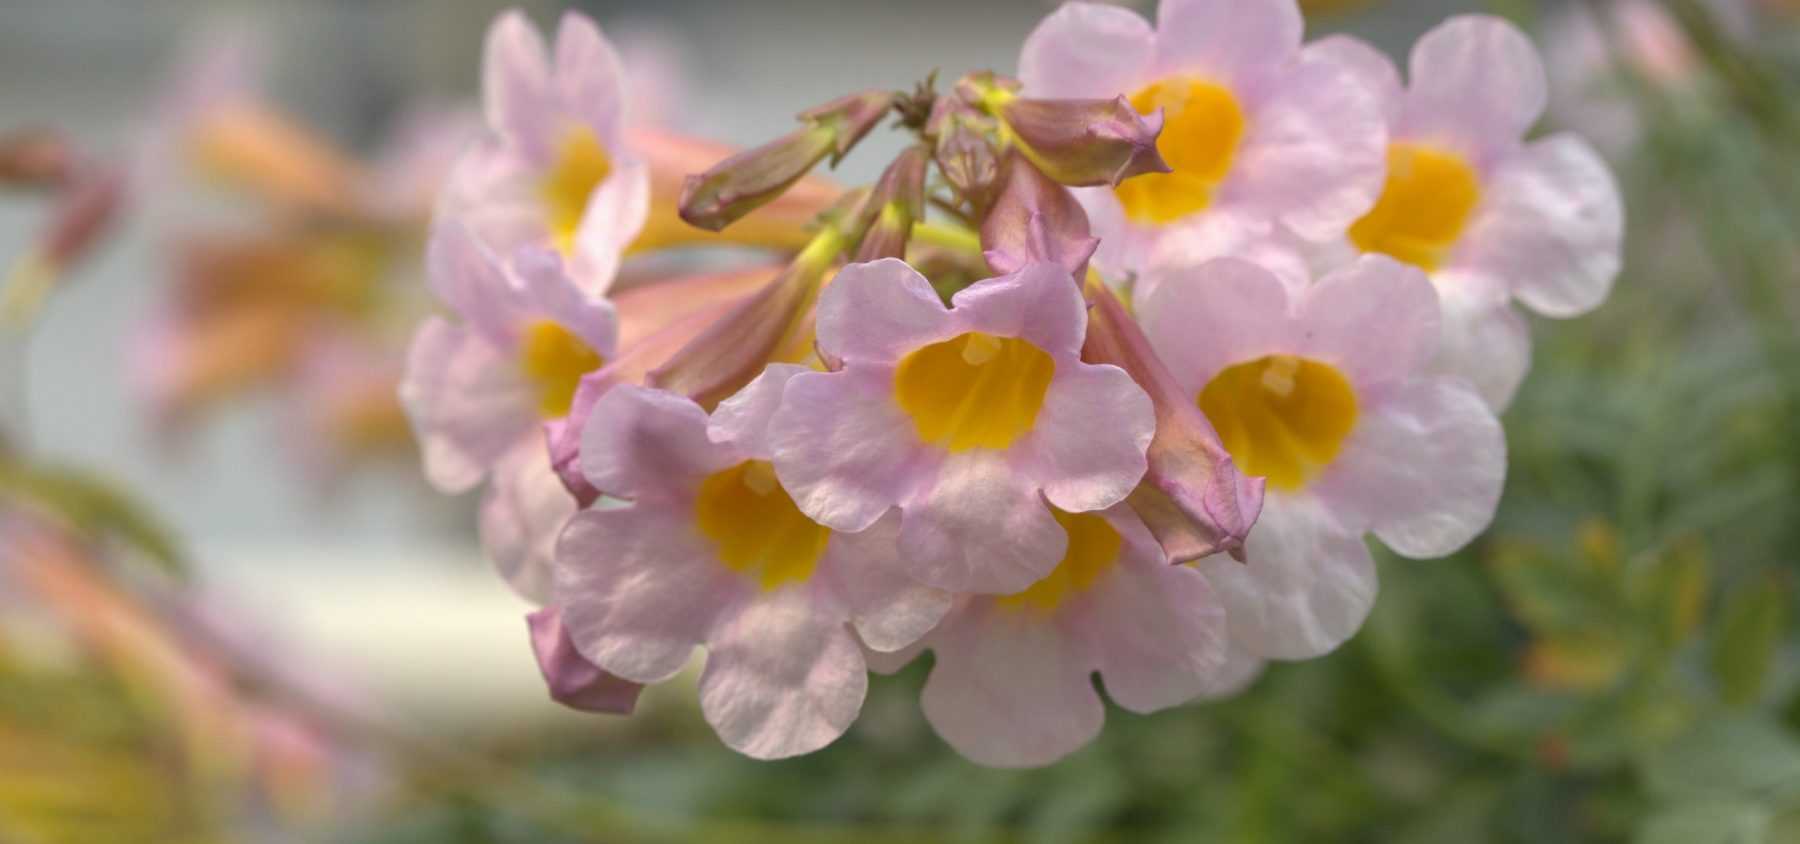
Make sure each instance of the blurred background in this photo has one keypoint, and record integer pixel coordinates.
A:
(231, 610)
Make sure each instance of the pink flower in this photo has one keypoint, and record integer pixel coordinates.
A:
(711, 550)
(1012, 684)
(973, 420)
(556, 171)
(1323, 391)
(1257, 129)
(1491, 217)
(479, 390)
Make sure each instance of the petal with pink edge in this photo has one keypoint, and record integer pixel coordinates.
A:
(515, 83)
(979, 525)
(1203, 319)
(1306, 589)
(545, 291)
(521, 515)
(1315, 154)
(640, 589)
(573, 681)
(1375, 320)
(469, 406)
(843, 448)
(1086, 51)
(1009, 691)
(588, 77)
(879, 311)
(1159, 630)
(1242, 43)
(641, 443)
(615, 214)
(1485, 340)
(1551, 228)
(1424, 468)
(1087, 448)
(889, 609)
(743, 420)
(1368, 65)
(1041, 304)
(781, 679)
(1476, 84)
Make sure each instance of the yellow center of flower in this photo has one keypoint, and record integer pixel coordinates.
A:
(1281, 417)
(1429, 197)
(1202, 126)
(756, 527)
(974, 390)
(580, 166)
(1093, 550)
(554, 360)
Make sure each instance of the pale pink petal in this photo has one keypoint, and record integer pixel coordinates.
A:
(472, 280)
(1160, 631)
(1041, 304)
(1371, 67)
(1485, 340)
(1477, 86)
(493, 191)
(1203, 319)
(1306, 588)
(1087, 448)
(1125, 247)
(1424, 468)
(743, 420)
(469, 406)
(1375, 320)
(640, 589)
(641, 443)
(890, 662)
(1315, 153)
(1239, 672)
(844, 449)
(1242, 43)
(521, 515)
(1550, 228)
(615, 214)
(1009, 691)
(781, 679)
(1223, 235)
(1086, 51)
(589, 81)
(545, 291)
(889, 609)
(515, 83)
(573, 680)
(879, 311)
(979, 525)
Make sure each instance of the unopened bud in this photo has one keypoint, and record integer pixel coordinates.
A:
(744, 182)
(573, 680)
(965, 154)
(1035, 219)
(896, 204)
(1078, 142)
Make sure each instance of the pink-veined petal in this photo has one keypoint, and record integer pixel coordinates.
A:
(780, 679)
(469, 406)
(1086, 51)
(1009, 691)
(979, 525)
(1307, 588)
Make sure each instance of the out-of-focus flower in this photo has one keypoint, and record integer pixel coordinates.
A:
(556, 171)
(1257, 129)
(713, 551)
(974, 420)
(479, 390)
(1322, 391)
(1492, 218)
(343, 407)
(1012, 684)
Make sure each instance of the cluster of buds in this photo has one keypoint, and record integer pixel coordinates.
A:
(1112, 371)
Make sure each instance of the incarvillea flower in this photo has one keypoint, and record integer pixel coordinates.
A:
(1051, 413)
(1323, 391)
(1256, 129)
(479, 388)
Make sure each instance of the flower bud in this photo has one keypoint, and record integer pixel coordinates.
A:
(573, 680)
(1035, 219)
(964, 153)
(897, 202)
(1193, 498)
(744, 182)
(1077, 142)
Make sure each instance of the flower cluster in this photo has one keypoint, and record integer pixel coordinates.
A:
(1113, 371)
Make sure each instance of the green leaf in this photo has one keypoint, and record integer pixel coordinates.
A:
(1749, 633)
(1710, 822)
(1728, 759)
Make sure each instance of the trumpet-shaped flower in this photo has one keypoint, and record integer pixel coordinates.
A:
(557, 171)
(1257, 129)
(1323, 391)
(711, 550)
(974, 420)
(479, 390)
(1012, 684)
(1491, 217)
